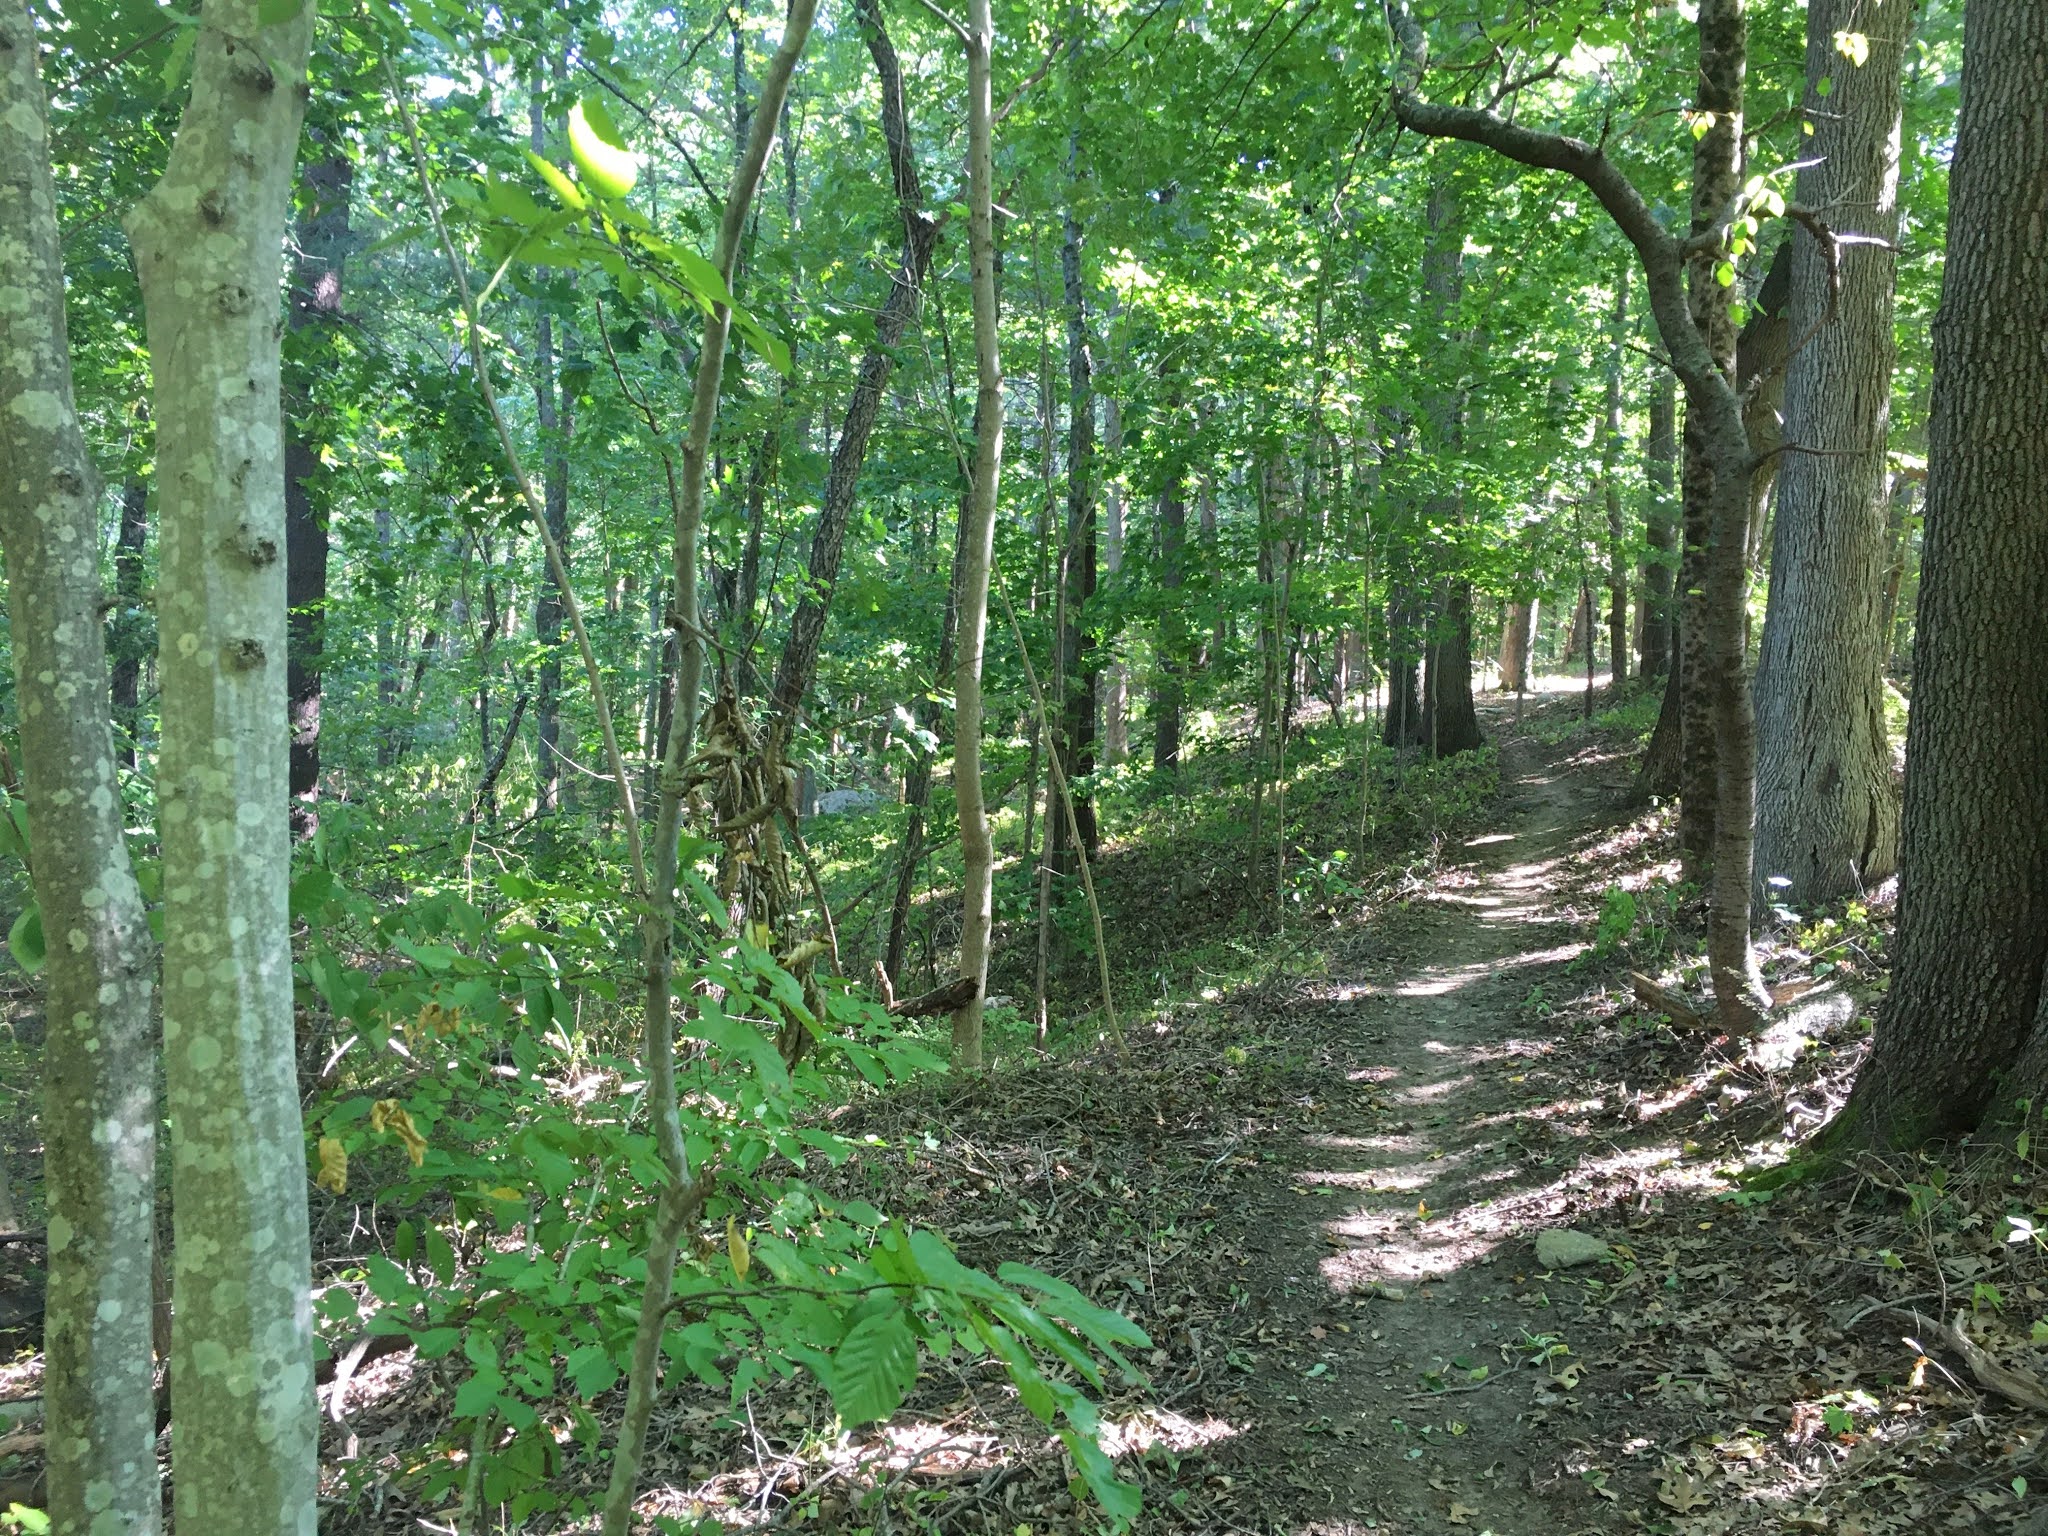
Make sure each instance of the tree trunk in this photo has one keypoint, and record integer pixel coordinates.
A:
(1078, 650)
(552, 413)
(1660, 560)
(1170, 645)
(1516, 635)
(130, 631)
(1827, 809)
(1973, 887)
(208, 241)
(99, 1071)
(799, 660)
(977, 851)
(1403, 724)
(1450, 720)
(1610, 481)
(1116, 686)
(312, 313)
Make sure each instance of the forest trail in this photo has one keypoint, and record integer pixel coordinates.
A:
(1412, 1358)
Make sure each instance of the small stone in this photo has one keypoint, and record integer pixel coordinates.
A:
(1561, 1248)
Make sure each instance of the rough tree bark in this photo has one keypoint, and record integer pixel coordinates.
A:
(208, 242)
(99, 1103)
(313, 307)
(1972, 935)
(1516, 634)
(1827, 806)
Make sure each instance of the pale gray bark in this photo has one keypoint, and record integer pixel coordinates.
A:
(208, 243)
(1827, 811)
(99, 1104)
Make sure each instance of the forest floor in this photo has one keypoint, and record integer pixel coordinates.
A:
(1318, 1186)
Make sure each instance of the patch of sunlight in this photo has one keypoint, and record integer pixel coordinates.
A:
(1427, 1093)
(1490, 837)
(1138, 1433)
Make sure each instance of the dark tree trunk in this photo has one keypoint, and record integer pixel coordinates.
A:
(1170, 660)
(1660, 562)
(1610, 484)
(1972, 934)
(1078, 650)
(1403, 723)
(1450, 722)
(323, 239)
(130, 634)
(799, 660)
(1827, 808)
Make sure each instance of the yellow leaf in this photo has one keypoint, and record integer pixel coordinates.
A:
(333, 1175)
(736, 1246)
(1461, 1514)
(505, 1192)
(1853, 46)
(390, 1115)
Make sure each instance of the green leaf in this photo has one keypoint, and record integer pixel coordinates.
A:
(1119, 1500)
(592, 1368)
(1724, 273)
(874, 1369)
(479, 1395)
(948, 1273)
(1824, 87)
(25, 939)
(607, 165)
(564, 188)
(275, 13)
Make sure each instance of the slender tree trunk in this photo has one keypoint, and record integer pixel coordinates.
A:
(1114, 703)
(1972, 938)
(208, 241)
(1827, 808)
(1610, 481)
(130, 632)
(1660, 560)
(99, 1105)
(1078, 650)
(553, 416)
(313, 309)
(1170, 644)
(1404, 725)
(918, 786)
(799, 660)
(977, 541)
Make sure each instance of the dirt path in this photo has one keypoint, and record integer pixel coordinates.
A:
(1414, 1357)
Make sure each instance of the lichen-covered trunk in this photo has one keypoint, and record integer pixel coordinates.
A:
(208, 243)
(1827, 808)
(1973, 884)
(977, 538)
(131, 631)
(99, 1108)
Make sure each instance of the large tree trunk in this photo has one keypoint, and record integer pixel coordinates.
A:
(1973, 887)
(314, 308)
(99, 1102)
(977, 541)
(1402, 725)
(1516, 635)
(1660, 560)
(1827, 809)
(208, 241)
(1450, 720)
